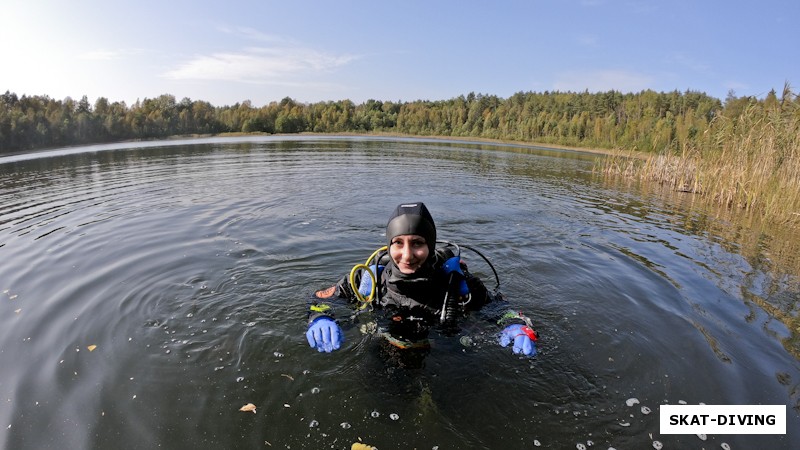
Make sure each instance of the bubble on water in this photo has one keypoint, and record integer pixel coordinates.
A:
(345, 425)
(702, 437)
(250, 324)
(218, 368)
(645, 410)
(632, 401)
(725, 446)
(394, 416)
(580, 446)
(658, 445)
(278, 354)
(190, 315)
(315, 390)
(313, 424)
(536, 443)
(589, 443)
(239, 379)
(624, 424)
(466, 341)
(375, 414)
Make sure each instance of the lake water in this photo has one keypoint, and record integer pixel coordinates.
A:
(149, 290)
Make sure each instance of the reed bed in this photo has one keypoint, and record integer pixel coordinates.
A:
(749, 163)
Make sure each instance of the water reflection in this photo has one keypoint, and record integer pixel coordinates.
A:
(769, 281)
(188, 266)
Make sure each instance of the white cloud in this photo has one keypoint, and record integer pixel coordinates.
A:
(252, 34)
(101, 55)
(587, 40)
(258, 65)
(110, 55)
(687, 61)
(601, 81)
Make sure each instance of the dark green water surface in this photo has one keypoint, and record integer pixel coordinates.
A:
(188, 265)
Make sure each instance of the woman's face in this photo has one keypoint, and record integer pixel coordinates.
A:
(409, 252)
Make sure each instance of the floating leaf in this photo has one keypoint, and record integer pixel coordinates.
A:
(360, 446)
(248, 407)
(91, 347)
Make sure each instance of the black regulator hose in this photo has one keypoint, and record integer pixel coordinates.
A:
(458, 253)
(450, 306)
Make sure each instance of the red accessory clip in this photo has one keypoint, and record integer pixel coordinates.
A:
(530, 333)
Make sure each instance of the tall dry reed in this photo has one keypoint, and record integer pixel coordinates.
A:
(750, 163)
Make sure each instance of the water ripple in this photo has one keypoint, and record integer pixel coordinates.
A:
(150, 290)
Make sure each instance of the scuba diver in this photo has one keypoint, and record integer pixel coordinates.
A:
(415, 286)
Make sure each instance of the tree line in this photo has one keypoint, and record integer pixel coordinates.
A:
(647, 120)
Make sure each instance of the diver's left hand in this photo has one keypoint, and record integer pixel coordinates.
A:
(523, 337)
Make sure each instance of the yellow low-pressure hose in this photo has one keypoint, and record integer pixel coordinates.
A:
(360, 297)
(375, 253)
(358, 294)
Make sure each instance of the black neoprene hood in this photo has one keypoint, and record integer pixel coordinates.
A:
(412, 218)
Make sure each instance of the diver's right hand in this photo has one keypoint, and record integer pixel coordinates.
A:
(324, 334)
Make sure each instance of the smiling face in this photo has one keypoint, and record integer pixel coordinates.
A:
(409, 252)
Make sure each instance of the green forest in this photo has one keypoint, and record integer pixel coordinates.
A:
(647, 121)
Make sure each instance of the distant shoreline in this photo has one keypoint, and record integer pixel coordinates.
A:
(465, 139)
(432, 137)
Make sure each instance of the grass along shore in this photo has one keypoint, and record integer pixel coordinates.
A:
(750, 163)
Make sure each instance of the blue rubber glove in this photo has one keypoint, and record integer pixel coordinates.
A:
(523, 342)
(324, 334)
(453, 267)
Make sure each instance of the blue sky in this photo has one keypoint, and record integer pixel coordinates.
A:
(262, 51)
